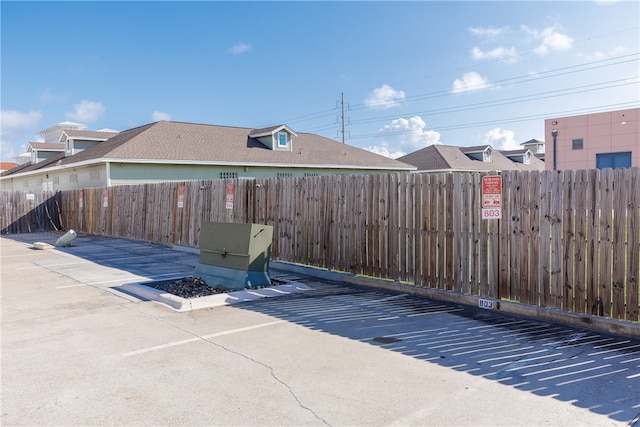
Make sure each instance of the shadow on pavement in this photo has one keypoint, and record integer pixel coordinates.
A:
(586, 368)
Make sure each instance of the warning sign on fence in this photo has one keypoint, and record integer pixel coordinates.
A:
(492, 197)
(229, 196)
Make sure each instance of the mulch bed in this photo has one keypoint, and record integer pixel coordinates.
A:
(194, 287)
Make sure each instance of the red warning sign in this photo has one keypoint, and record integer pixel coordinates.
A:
(492, 197)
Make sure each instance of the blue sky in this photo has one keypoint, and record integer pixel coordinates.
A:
(412, 73)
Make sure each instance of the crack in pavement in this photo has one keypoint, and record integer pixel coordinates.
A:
(271, 370)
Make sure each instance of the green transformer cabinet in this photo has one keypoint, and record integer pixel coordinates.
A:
(234, 256)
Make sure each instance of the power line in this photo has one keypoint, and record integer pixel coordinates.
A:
(515, 80)
(521, 79)
(505, 101)
(587, 110)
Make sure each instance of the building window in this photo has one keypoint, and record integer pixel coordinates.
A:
(527, 158)
(73, 177)
(283, 139)
(284, 175)
(56, 180)
(94, 176)
(486, 156)
(25, 183)
(577, 144)
(613, 160)
(228, 175)
(311, 174)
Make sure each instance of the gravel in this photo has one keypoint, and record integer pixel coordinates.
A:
(193, 287)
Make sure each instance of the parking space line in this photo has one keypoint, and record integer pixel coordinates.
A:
(199, 338)
(71, 286)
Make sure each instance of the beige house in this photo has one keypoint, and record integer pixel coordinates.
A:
(176, 151)
(483, 158)
(598, 140)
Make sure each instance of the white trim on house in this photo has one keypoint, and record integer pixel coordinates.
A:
(108, 173)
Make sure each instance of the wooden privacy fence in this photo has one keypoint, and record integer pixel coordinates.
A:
(567, 240)
(22, 212)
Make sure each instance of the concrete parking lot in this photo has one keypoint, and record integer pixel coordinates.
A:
(78, 349)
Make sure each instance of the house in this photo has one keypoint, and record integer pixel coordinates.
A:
(176, 151)
(450, 158)
(598, 140)
(56, 137)
(536, 147)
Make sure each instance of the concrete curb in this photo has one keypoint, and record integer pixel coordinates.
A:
(188, 304)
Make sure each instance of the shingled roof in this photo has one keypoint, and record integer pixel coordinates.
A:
(86, 134)
(453, 158)
(177, 142)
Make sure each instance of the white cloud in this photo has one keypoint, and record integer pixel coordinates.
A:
(384, 97)
(11, 120)
(239, 48)
(601, 55)
(502, 139)
(486, 32)
(470, 81)
(405, 136)
(552, 39)
(16, 126)
(384, 151)
(159, 116)
(497, 53)
(86, 111)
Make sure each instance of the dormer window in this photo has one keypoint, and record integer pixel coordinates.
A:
(527, 158)
(69, 147)
(283, 139)
(277, 138)
(486, 156)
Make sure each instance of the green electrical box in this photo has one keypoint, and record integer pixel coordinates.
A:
(235, 256)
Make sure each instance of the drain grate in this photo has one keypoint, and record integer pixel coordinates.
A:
(386, 340)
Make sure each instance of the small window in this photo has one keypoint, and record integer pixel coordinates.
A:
(577, 144)
(94, 176)
(25, 183)
(284, 175)
(309, 174)
(527, 158)
(73, 177)
(486, 156)
(283, 139)
(228, 175)
(56, 180)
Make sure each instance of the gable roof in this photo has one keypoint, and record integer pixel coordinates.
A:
(87, 134)
(179, 143)
(45, 146)
(255, 133)
(443, 158)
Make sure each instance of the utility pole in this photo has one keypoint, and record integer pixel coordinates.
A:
(342, 118)
(342, 103)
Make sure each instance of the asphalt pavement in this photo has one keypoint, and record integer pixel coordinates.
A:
(81, 347)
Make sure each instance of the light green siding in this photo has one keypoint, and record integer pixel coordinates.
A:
(59, 179)
(130, 173)
(111, 174)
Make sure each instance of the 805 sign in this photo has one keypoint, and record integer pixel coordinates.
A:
(491, 213)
